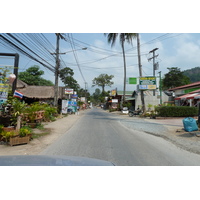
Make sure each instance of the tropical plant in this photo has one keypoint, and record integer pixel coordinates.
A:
(50, 112)
(8, 134)
(1, 128)
(122, 37)
(24, 131)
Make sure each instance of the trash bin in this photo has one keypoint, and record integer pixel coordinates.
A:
(190, 124)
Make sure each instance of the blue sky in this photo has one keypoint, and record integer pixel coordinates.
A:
(180, 50)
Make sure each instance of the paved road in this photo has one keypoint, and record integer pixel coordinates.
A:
(102, 135)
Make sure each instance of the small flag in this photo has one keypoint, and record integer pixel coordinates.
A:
(18, 94)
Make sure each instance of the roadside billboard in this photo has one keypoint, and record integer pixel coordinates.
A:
(69, 91)
(147, 83)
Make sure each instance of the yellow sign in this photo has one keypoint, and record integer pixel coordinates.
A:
(151, 87)
(113, 92)
(4, 87)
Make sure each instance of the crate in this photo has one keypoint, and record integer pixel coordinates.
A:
(19, 140)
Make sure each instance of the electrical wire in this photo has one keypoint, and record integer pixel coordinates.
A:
(76, 58)
(21, 49)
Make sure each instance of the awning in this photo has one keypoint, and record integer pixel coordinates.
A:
(188, 96)
(197, 97)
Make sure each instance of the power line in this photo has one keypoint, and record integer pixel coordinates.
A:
(11, 43)
(75, 56)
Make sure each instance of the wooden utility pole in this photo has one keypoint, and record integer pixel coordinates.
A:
(154, 69)
(160, 88)
(140, 73)
(56, 70)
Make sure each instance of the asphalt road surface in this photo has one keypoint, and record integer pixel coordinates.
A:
(99, 135)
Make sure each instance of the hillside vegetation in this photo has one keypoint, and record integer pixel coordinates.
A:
(193, 74)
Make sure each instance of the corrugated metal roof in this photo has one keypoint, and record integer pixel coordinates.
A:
(185, 86)
(128, 93)
(187, 96)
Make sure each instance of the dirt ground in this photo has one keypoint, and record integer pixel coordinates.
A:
(37, 145)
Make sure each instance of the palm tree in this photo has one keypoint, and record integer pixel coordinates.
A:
(112, 37)
(140, 73)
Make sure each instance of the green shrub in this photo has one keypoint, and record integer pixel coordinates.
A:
(112, 109)
(7, 135)
(49, 114)
(176, 111)
(24, 131)
(1, 128)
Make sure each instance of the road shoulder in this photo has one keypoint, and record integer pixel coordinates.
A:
(37, 145)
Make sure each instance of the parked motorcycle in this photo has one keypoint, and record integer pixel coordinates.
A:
(134, 113)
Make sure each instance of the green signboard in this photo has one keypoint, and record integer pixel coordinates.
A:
(131, 80)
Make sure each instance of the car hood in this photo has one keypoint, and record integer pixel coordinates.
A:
(42, 160)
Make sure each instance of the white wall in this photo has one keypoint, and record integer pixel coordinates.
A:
(150, 99)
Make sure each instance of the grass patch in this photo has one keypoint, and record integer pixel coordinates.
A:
(40, 126)
(36, 135)
(40, 132)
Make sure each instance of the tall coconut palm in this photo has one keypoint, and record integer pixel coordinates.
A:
(112, 37)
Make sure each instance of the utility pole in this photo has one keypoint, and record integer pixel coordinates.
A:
(160, 88)
(85, 92)
(56, 70)
(154, 56)
(140, 73)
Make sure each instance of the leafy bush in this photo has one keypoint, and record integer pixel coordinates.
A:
(24, 131)
(176, 111)
(50, 112)
(8, 134)
(1, 128)
(112, 109)
(127, 104)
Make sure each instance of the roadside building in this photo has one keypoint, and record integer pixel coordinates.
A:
(32, 93)
(150, 99)
(186, 95)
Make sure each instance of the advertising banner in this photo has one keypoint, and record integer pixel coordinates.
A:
(69, 91)
(113, 92)
(64, 106)
(147, 83)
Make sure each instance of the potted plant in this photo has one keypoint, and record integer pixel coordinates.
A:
(23, 137)
(6, 135)
(25, 131)
(30, 114)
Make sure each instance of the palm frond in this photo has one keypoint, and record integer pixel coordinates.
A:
(111, 38)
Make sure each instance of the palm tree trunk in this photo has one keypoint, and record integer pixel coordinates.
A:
(124, 92)
(140, 73)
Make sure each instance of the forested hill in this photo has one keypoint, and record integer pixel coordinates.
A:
(193, 74)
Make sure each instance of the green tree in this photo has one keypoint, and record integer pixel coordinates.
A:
(103, 80)
(174, 78)
(96, 95)
(66, 76)
(32, 76)
(112, 37)
(83, 93)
